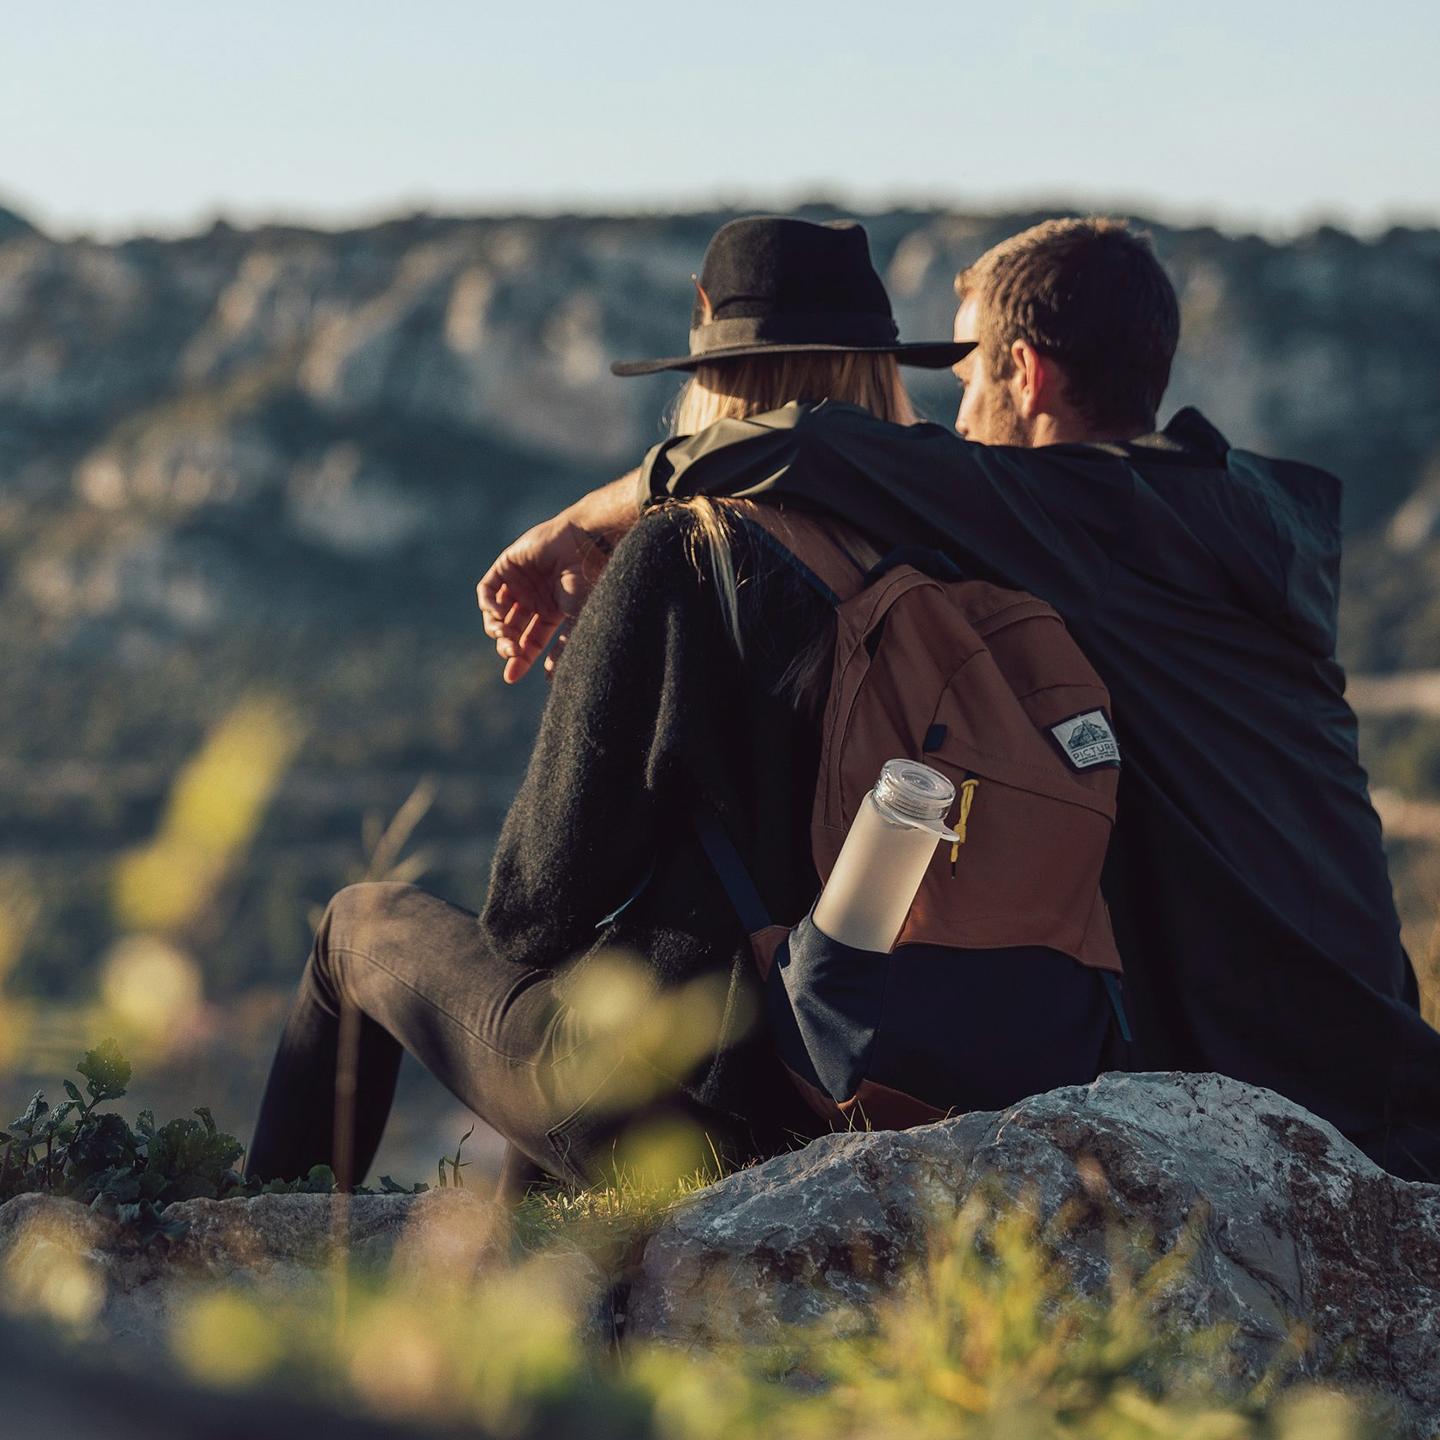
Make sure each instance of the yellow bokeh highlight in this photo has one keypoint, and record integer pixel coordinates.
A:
(48, 1272)
(1319, 1414)
(634, 1041)
(227, 1340)
(149, 987)
(527, 1321)
(19, 909)
(397, 1364)
(658, 1154)
(214, 810)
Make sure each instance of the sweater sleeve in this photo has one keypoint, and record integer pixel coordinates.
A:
(620, 746)
(1047, 520)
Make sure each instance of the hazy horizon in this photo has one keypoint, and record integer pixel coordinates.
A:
(364, 217)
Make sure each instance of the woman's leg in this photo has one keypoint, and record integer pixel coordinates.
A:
(393, 967)
(518, 1172)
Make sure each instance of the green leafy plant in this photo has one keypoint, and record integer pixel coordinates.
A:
(131, 1173)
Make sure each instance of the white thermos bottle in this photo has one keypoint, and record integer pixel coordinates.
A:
(885, 855)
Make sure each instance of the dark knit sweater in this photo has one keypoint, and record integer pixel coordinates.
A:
(650, 710)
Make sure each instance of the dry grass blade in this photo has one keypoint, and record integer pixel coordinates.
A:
(384, 862)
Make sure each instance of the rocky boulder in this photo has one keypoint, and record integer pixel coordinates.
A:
(1293, 1240)
(1295, 1236)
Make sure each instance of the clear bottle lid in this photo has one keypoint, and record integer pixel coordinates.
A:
(914, 791)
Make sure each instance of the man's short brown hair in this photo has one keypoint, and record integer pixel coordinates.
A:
(1090, 294)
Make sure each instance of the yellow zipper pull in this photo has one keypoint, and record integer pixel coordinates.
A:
(967, 799)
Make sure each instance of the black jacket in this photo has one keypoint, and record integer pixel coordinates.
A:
(1246, 876)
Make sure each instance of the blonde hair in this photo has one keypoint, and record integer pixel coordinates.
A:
(750, 385)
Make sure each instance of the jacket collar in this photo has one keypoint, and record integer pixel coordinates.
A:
(1189, 439)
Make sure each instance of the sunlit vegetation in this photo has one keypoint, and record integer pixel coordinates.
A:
(988, 1336)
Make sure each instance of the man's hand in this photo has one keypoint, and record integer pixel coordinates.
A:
(537, 586)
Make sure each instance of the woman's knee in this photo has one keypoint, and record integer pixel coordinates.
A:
(361, 907)
(355, 922)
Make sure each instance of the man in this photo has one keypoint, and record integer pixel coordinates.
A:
(1246, 877)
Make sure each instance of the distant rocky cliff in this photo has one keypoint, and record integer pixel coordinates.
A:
(284, 456)
(187, 422)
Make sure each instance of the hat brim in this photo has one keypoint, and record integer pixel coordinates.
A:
(933, 355)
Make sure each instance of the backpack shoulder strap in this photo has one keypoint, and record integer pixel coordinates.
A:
(832, 557)
(730, 869)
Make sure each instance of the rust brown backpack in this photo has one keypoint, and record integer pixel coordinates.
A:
(983, 684)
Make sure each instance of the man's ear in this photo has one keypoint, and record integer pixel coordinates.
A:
(1035, 381)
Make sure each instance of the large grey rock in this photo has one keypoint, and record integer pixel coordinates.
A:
(1290, 1224)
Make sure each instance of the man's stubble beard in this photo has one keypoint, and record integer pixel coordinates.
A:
(1002, 423)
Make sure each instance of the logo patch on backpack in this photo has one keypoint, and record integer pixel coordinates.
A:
(1087, 740)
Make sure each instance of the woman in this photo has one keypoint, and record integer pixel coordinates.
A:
(694, 676)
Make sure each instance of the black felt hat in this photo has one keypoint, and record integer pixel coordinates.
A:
(771, 284)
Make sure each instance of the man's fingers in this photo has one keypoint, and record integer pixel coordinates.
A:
(536, 636)
(493, 623)
(521, 648)
(530, 635)
(507, 627)
(492, 590)
(552, 659)
(501, 599)
(520, 588)
(515, 669)
(520, 633)
(539, 582)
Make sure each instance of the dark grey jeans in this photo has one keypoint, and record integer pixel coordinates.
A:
(416, 974)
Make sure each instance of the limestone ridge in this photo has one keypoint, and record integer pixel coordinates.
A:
(12, 224)
(497, 331)
(233, 423)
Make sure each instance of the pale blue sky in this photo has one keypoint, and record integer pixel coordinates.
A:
(159, 115)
